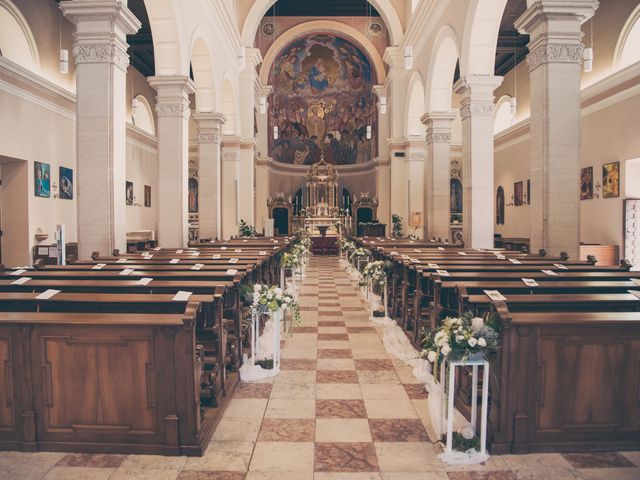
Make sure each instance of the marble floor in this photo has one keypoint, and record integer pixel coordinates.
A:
(341, 409)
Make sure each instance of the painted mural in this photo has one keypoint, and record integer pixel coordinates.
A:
(322, 103)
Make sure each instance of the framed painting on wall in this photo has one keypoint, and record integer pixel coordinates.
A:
(129, 193)
(66, 183)
(518, 194)
(611, 180)
(147, 196)
(586, 183)
(42, 179)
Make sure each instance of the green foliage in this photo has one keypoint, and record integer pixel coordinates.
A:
(461, 444)
(246, 230)
(396, 220)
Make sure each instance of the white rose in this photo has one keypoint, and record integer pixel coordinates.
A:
(477, 323)
(279, 296)
(472, 342)
(278, 291)
(269, 296)
(256, 297)
(432, 356)
(482, 342)
(287, 300)
(257, 287)
(446, 350)
(459, 338)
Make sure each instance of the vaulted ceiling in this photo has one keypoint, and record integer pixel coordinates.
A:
(323, 8)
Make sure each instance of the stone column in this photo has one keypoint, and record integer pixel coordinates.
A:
(230, 185)
(399, 180)
(555, 61)
(415, 157)
(172, 108)
(209, 139)
(246, 182)
(100, 52)
(476, 112)
(383, 170)
(437, 173)
(262, 162)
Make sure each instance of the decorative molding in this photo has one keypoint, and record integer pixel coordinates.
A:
(438, 137)
(472, 108)
(213, 137)
(101, 53)
(172, 109)
(554, 53)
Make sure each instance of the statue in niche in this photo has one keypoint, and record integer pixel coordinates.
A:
(456, 196)
(193, 195)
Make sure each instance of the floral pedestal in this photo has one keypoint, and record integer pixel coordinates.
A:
(264, 347)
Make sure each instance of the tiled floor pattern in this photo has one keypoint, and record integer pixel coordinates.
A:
(341, 409)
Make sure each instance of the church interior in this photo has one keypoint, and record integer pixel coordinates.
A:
(320, 240)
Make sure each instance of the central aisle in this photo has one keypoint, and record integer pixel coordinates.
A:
(340, 405)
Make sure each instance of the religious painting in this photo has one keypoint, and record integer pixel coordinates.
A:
(611, 180)
(42, 179)
(455, 196)
(193, 195)
(518, 194)
(129, 193)
(322, 103)
(147, 196)
(586, 183)
(66, 183)
(500, 206)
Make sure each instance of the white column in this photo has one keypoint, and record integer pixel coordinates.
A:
(415, 155)
(230, 186)
(399, 201)
(437, 173)
(209, 139)
(476, 112)
(172, 108)
(262, 162)
(100, 52)
(383, 170)
(246, 182)
(555, 62)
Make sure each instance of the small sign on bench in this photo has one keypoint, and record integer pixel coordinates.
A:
(495, 295)
(530, 282)
(181, 296)
(47, 294)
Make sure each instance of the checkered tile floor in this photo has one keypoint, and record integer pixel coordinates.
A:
(341, 409)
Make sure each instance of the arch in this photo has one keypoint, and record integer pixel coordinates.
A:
(260, 7)
(167, 46)
(228, 107)
(503, 117)
(16, 40)
(441, 70)
(627, 52)
(416, 106)
(482, 23)
(340, 29)
(202, 74)
(143, 115)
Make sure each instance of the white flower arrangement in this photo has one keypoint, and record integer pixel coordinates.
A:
(290, 260)
(270, 298)
(361, 252)
(459, 339)
(374, 271)
(346, 245)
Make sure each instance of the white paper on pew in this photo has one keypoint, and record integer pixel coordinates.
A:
(181, 296)
(551, 273)
(442, 273)
(417, 250)
(515, 261)
(635, 280)
(18, 272)
(405, 257)
(441, 248)
(47, 294)
(501, 257)
(263, 253)
(144, 281)
(157, 248)
(147, 256)
(276, 241)
(216, 256)
(478, 250)
(433, 265)
(393, 253)
(126, 271)
(634, 292)
(196, 253)
(99, 266)
(121, 260)
(275, 248)
(238, 250)
(223, 248)
(245, 241)
(411, 241)
(232, 271)
(174, 260)
(233, 260)
(179, 251)
(21, 281)
(530, 282)
(462, 253)
(495, 295)
(197, 266)
(432, 241)
(415, 260)
(560, 266)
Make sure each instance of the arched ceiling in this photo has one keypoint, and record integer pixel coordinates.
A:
(323, 8)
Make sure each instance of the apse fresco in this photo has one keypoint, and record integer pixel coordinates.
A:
(322, 103)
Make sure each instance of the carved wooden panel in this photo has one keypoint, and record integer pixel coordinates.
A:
(97, 382)
(7, 400)
(586, 383)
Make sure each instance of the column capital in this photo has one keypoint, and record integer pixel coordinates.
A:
(477, 95)
(394, 57)
(101, 33)
(209, 127)
(379, 90)
(252, 58)
(172, 97)
(438, 126)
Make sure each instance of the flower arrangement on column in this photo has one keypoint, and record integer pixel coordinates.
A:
(374, 276)
(460, 342)
(346, 246)
(289, 261)
(273, 302)
(358, 257)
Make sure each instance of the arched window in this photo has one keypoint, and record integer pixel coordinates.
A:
(503, 117)
(143, 116)
(627, 51)
(500, 206)
(16, 40)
